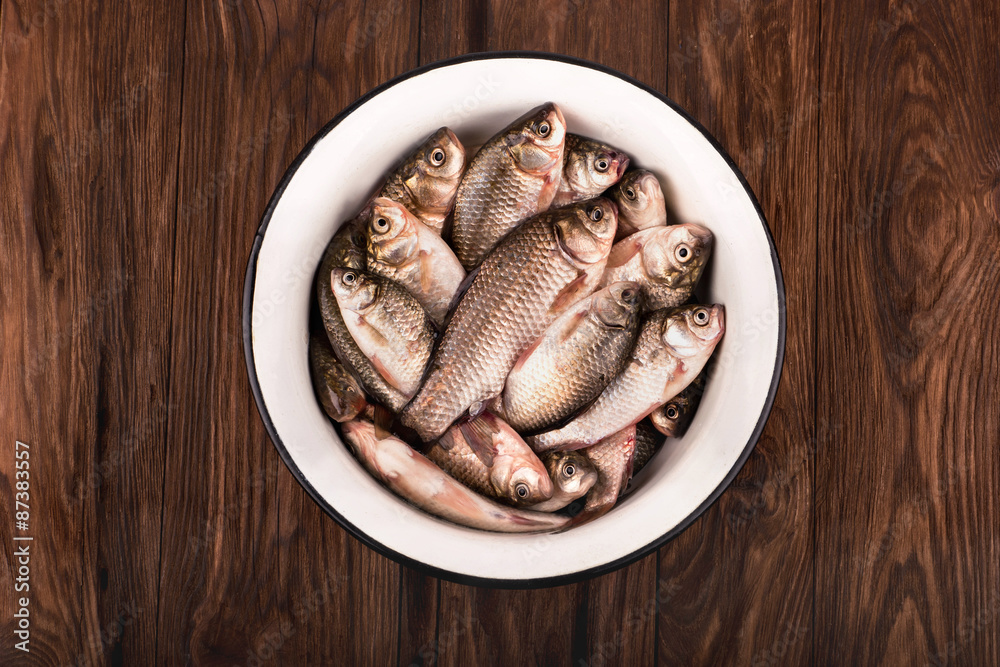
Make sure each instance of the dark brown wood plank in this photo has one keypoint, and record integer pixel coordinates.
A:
(620, 613)
(87, 197)
(358, 620)
(550, 626)
(908, 521)
(741, 577)
(242, 122)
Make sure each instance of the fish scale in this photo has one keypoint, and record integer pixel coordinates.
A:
(573, 360)
(653, 370)
(511, 178)
(498, 317)
(343, 251)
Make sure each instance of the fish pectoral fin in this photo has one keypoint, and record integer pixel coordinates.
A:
(479, 434)
(426, 271)
(623, 251)
(570, 294)
(382, 420)
(386, 373)
(527, 353)
(573, 324)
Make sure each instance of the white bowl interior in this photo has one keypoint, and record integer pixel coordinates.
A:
(477, 98)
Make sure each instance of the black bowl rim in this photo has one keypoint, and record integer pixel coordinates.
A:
(540, 582)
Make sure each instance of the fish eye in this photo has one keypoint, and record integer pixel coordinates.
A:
(683, 253)
(596, 213)
(380, 224)
(350, 278)
(521, 490)
(672, 412)
(437, 157)
(569, 470)
(543, 129)
(630, 192)
(602, 164)
(628, 294)
(701, 317)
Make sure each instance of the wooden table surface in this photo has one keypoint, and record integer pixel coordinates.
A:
(141, 142)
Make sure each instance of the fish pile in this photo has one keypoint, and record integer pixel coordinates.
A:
(506, 338)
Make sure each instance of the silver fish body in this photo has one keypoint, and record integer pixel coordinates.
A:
(534, 275)
(426, 182)
(419, 481)
(512, 177)
(514, 474)
(405, 250)
(388, 325)
(346, 250)
(612, 458)
(673, 417)
(572, 362)
(666, 261)
(339, 393)
(672, 348)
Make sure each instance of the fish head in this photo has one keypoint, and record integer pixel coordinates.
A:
(571, 472)
(586, 230)
(392, 232)
(689, 330)
(517, 473)
(618, 304)
(639, 196)
(528, 485)
(671, 419)
(536, 140)
(361, 436)
(677, 255)
(592, 167)
(354, 290)
(433, 174)
(345, 397)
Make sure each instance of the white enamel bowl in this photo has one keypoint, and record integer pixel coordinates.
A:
(476, 96)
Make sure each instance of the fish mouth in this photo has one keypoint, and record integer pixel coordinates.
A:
(452, 137)
(622, 162)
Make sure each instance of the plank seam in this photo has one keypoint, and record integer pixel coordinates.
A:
(170, 350)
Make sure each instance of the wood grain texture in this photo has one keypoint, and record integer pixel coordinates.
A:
(140, 145)
(909, 237)
(748, 72)
(88, 197)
